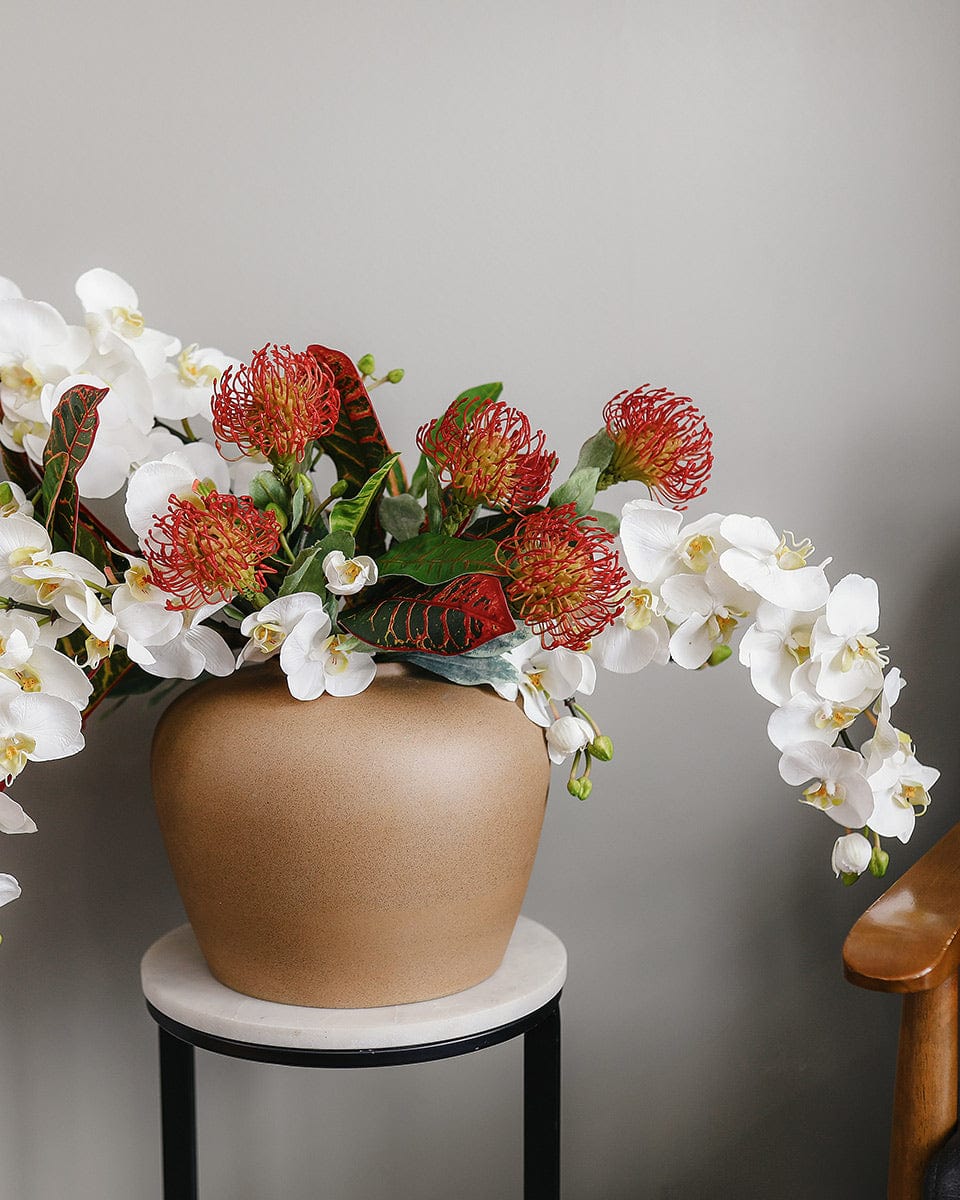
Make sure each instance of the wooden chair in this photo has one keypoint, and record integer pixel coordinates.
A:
(907, 942)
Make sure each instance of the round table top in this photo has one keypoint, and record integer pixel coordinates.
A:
(177, 981)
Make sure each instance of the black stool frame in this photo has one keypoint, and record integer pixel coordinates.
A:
(541, 1088)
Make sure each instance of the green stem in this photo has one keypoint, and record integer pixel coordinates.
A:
(191, 436)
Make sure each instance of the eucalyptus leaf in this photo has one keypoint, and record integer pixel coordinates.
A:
(607, 520)
(580, 489)
(348, 515)
(596, 451)
(465, 668)
(297, 506)
(401, 516)
(266, 488)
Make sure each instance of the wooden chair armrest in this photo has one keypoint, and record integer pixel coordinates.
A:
(907, 940)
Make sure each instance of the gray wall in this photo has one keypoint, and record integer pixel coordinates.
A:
(752, 203)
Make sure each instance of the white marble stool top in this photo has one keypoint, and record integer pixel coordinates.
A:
(178, 982)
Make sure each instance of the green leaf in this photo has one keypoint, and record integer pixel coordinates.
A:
(596, 452)
(418, 483)
(580, 489)
(607, 520)
(401, 516)
(266, 488)
(357, 444)
(297, 506)
(348, 515)
(72, 431)
(306, 572)
(467, 668)
(450, 619)
(466, 405)
(434, 502)
(435, 558)
(20, 470)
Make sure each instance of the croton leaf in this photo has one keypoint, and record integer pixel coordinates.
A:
(450, 619)
(72, 431)
(466, 405)
(357, 444)
(435, 558)
(19, 469)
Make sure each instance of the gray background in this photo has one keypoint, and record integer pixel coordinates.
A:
(751, 203)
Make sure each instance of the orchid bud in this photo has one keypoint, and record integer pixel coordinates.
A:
(304, 482)
(718, 655)
(566, 736)
(395, 375)
(366, 365)
(879, 861)
(339, 488)
(278, 513)
(6, 493)
(601, 747)
(851, 855)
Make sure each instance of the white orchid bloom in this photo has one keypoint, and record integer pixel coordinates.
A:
(655, 543)
(192, 650)
(807, 717)
(566, 736)
(37, 347)
(19, 633)
(17, 502)
(546, 675)
(270, 626)
(34, 727)
(901, 789)
(50, 672)
(886, 739)
(638, 637)
(316, 661)
(346, 576)
(68, 584)
(143, 619)
(851, 854)
(839, 787)
(12, 817)
(849, 661)
(9, 889)
(113, 310)
(775, 645)
(770, 566)
(706, 609)
(183, 388)
(9, 290)
(152, 484)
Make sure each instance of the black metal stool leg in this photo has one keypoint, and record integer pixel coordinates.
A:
(541, 1109)
(178, 1115)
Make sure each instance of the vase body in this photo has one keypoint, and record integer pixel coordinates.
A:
(352, 851)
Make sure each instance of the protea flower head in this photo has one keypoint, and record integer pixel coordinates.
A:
(493, 458)
(209, 546)
(566, 581)
(276, 404)
(661, 440)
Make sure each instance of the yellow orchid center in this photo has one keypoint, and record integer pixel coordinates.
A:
(792, 555)
(823, 795)
(127, 321)
(338, 659)
(797, 645)
(19, 378)
(639, 609)
(24, 429)
(699, 553)
(192, 372)
(14, 751)
(913, 795)
(137, 579)
(268, 637)
(27, 679)
(834, 716)
(350, 571)
(535, 679)
(860, 648)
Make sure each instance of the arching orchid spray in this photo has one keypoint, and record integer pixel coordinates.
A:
(479, 568)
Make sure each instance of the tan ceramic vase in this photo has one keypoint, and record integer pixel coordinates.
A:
(353, 851)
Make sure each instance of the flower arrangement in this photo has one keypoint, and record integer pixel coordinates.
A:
(476, 568)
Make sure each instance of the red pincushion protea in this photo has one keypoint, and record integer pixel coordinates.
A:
(661, 440)
(494, 458)
(566, 580)
(277, 404)
(208, 547)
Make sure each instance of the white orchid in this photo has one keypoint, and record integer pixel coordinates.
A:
(270, 626)
(52, 673)
(636, 638)
(655, 543)
(706, 609)
(771, 566)
(807, 717)
(316, 661)
(34, 726)
(849, 661)
(13, 501)
(193, 649)
(12, 817)
(901, 789)
(9, 889)
(9, 290)
(183, 388)
(851, 854)
(544, 676)
(153, 483)
(566, 736)
(19, 633)
(775, 645)
(67, 583)
(839, 787)
(112, 310)
(346, 576)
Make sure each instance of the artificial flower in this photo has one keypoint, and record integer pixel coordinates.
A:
(851, 854)
(316, 661)
(544, 676)
(12, 817)
(113, 312)
(34, 727)
(771, 566)
(346, 576)
(849, 661)
(9, 889)
(269, 627)
(706, 609)
(566, 736)
(183, 387)
(839, 787)
(774, 647)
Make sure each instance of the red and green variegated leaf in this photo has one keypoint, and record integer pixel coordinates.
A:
(72, 431)
(357, 445)
(451, 619)
(19, 469)
(435, 558)
(466, 405)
